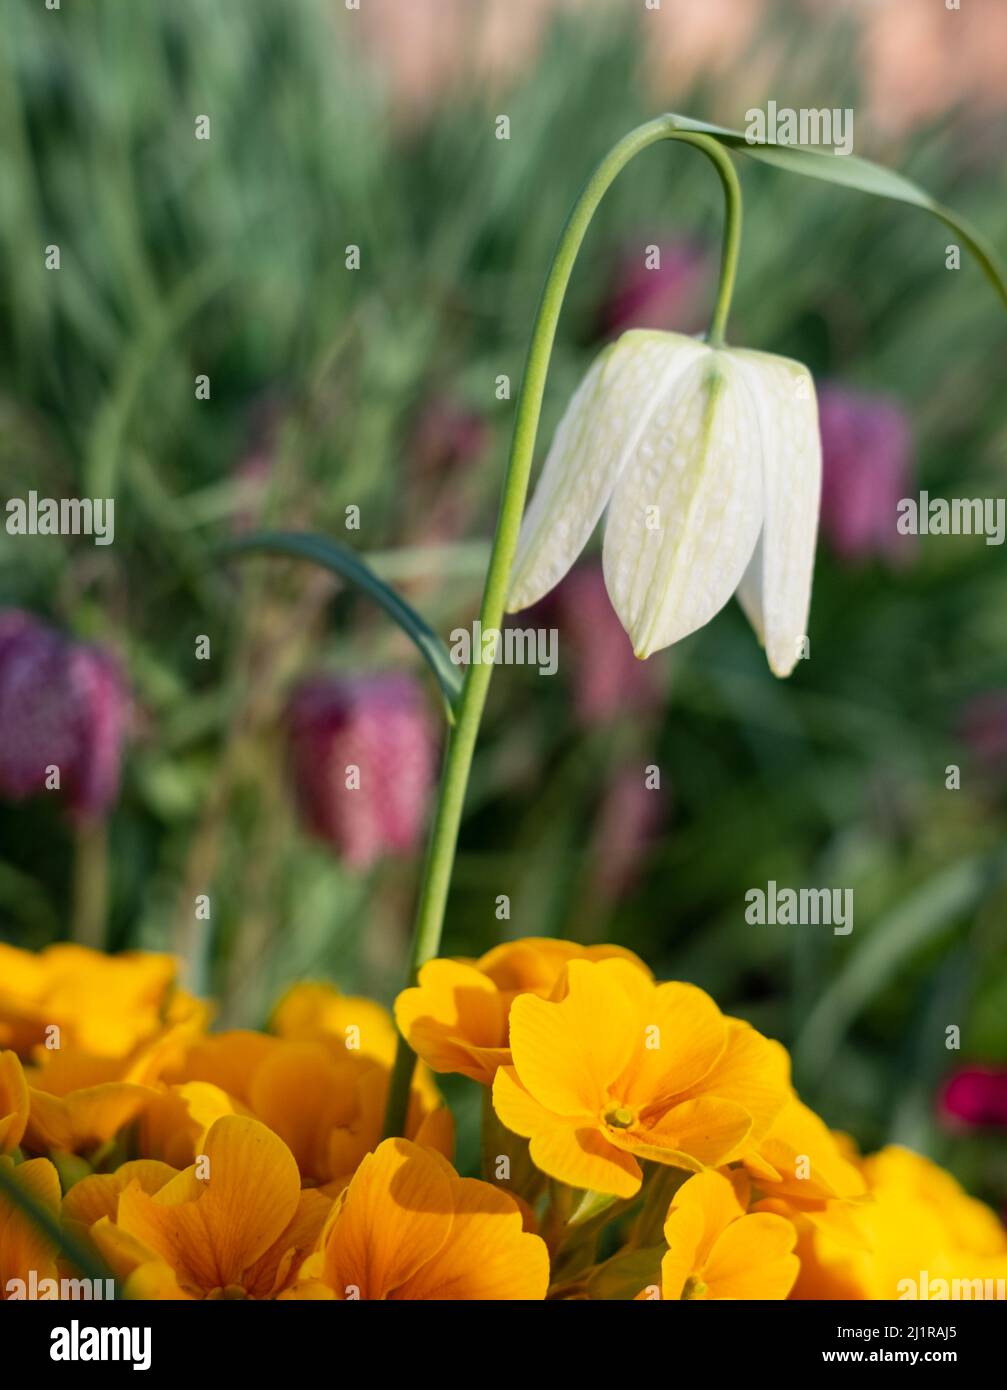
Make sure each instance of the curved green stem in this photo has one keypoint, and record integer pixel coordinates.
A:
(462, 738)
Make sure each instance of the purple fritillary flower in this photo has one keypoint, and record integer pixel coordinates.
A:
(380, 725)
(64, 704)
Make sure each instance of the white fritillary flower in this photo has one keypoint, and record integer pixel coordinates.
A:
(709, 463)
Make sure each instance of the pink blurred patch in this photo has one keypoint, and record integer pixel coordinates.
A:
(984, 729)
(380, 725)
(608, 681)
(867, 468)
(63, 704)
(668, 296)
(976, 1098)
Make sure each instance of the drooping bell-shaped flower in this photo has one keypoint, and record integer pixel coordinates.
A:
(708, 461)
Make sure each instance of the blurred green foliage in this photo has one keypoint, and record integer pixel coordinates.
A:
(227, 257)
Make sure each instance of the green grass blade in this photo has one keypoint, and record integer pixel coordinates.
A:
(342, 561)
(850, 171)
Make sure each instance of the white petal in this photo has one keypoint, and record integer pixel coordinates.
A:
(596, 436)
(697, 463)
(776, 589)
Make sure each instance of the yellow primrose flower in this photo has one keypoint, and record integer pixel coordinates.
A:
(103, 1005)
(174, 1121)
(13, 1102)
(708, 461)
(330, 1111)
(456, 1017)
(408, 1227)
(241, 1231)
(226, 1060)
(325, 1101)
(97, 1195)
(799, 1158)
(802, 1172)
(920, 1233)
(78, 1101)
(23, 1247)
(316, 1012)
(622, 1069)
(716, 1250)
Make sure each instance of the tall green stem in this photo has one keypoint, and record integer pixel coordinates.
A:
(462, 738)
(90, 884)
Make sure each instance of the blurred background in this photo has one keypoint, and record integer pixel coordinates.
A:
(202, 712)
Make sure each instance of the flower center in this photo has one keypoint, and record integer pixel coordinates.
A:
(620, 1117)
(695, 1288)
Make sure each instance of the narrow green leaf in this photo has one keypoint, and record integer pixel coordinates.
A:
(853, 172)
(933, 910)
(591, 1204)
(342, 561)
(74, 1250)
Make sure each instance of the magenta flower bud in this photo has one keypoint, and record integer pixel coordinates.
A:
(976, 1098)
(631, 816)
(253, 471)
(446, 436)
(362, 758)
(63, 705)
(607, 678)
(867, 469)
(445, 441)
(984, 729)
(662, 291)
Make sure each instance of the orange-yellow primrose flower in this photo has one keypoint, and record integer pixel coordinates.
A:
(103, 1005)
(13, 1102)
(716, 1250)
(23, 1247)
(241, 1231)
(174, 1122)
(408, 1227)
(226, 1060)
(456, 1017)
(800, 1159)
(622, 1069)
(802, 1172)
(325, 1100)
(923, 1238)
(316, 1012)
(79, 1101)
(97, 1196)
(330, 1111)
